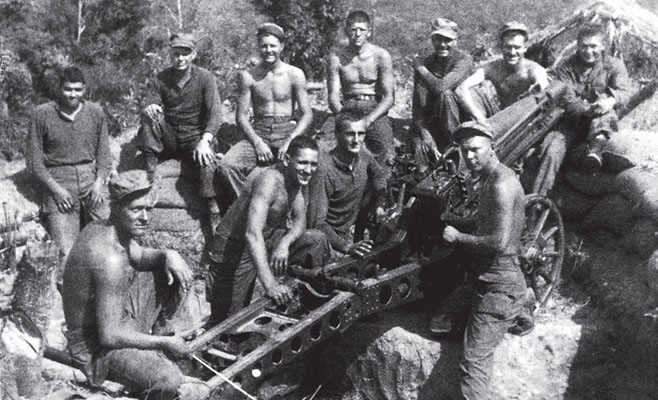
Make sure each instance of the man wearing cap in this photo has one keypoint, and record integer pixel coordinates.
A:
(273, 90)
(363, 74)
(598, 86)
(114, 291)
(263, 232)
(512, 76)
(68, 151)
(182, 117)
(435, 110)
(335, 196)
(496, 285)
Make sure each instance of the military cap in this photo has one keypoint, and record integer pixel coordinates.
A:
(185, 40)
(444, 27)
(469, 129)
(127, 183)
(270, 28)
(514, 26)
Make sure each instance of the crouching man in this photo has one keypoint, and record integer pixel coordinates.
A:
(262, 232)
(114, 291)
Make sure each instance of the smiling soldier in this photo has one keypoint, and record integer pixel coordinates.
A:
(69, 153)
(273, 89)
(513, 76)
(262, 232)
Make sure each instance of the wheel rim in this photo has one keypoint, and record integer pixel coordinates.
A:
(543, 247)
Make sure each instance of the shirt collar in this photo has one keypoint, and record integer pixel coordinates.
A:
(70, 117)
(343, 165)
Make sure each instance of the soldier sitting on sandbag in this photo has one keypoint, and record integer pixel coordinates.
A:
(114, 291)
(598, 86)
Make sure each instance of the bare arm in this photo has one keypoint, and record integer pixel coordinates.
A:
(265, 189)
(386, 85)
(541, 77)
(463, 92)
(281, 252)
(170, 261)
(333, 83)
(300, 92)
(113, 333)
(243, 106)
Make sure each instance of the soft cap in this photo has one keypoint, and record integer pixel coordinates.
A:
(469, 129)
(185, 40)
(128, 182)
(444, 27)
(269, 28)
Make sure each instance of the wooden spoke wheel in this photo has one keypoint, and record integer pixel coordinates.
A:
(542, 250)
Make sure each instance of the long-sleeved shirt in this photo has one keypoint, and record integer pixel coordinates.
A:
(448, 73)
(196, 104)
(336, 191)
(55, 140)
(608, 77)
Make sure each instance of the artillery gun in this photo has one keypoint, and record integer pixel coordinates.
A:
(249, 346)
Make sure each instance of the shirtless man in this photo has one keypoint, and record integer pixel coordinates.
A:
(273, 89)
(512, 76)
(113, 292)
(363, 73)
(252, 240)
(496, 285)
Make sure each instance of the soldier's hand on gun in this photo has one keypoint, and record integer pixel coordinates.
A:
(175, 345)
(263, 152)
(360, 249)
(450, 234)
(279, 293)
(203, 153)
(279, 260)
(154, 112)
(63, 200)
(176, 268)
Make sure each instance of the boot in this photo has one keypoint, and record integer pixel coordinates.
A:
(149, 163)
(593, 161)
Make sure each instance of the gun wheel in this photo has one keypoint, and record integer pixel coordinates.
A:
(542, 250)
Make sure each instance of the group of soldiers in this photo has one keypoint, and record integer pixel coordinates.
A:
(289, 200)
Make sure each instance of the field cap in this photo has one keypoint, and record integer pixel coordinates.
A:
(469, 129)
(185, 40)
(128, 182)
(514, 26)
(444, 27)
(270, 28)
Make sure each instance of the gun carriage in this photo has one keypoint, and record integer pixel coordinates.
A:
(249, 346)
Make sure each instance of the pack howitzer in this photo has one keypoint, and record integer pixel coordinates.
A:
(249, 346)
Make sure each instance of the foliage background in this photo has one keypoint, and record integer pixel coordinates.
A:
(122, 43)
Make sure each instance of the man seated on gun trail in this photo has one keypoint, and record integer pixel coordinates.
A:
(263, 232)
(598, 85)
(115, 291)
(512, 76)
(335, 195)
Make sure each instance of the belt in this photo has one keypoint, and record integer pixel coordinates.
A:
(360, 97)
(273, 119)
(76, 164)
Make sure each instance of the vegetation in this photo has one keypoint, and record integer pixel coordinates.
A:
(122, 43)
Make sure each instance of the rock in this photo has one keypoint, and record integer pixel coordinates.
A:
(629, 149)
(400, 365)
(639, 186)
